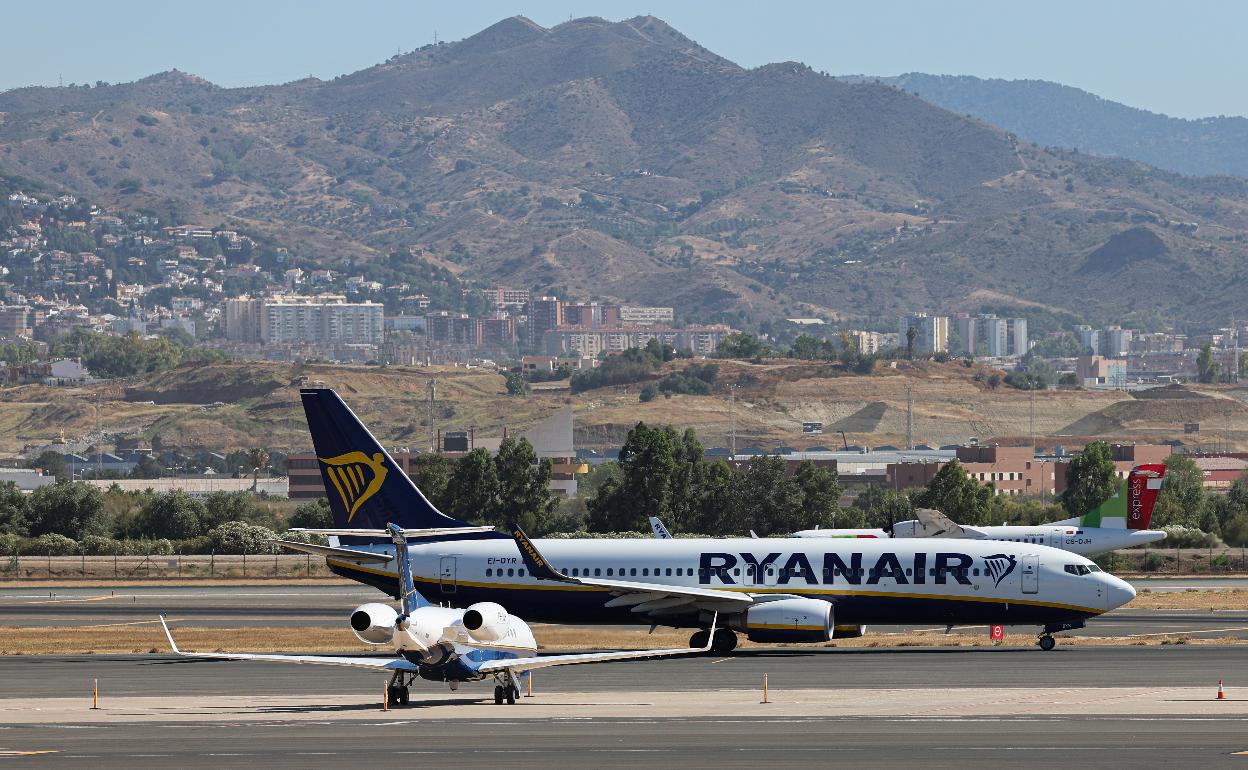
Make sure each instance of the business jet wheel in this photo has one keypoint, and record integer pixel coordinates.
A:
(498, 694)
(512, 694)
(723, 641)
(405, 696)
(699, 638)
(1047, 642)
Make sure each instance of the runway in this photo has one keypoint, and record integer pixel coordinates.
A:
(935, 707)
(246, 606)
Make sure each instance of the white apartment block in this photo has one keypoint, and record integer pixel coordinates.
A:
(636, 315)
(932, 332)
(294, 319)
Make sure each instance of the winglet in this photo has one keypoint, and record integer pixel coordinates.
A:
(660, 531)
(169, 636)
(710, 635)
(533, 559)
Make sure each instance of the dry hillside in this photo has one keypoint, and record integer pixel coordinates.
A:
(241, 405)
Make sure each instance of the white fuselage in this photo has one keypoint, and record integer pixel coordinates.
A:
(868, 580)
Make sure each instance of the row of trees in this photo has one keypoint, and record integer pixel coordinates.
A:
(665, 474)
(512, 486)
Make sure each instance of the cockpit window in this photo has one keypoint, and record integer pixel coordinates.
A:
(1093, 568)
(1081, 569)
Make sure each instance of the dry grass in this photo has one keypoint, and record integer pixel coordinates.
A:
(1227, 599)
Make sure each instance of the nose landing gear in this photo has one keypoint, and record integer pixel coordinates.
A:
(1046, 642)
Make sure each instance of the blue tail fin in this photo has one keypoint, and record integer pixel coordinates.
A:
(366, 488)
(409, 597)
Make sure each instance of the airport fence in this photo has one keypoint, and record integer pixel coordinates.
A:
(1177, 561)
(163, 567)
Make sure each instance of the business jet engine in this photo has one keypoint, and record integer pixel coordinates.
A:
(374, 623)
(787, 620)
(486, 622)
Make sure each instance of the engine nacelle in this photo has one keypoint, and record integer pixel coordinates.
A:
(374, 623)
(849, 632)
(486, 622)
(788, 620)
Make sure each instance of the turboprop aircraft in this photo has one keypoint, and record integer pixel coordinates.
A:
(770, 589)
(440, 643)
(1119, 522)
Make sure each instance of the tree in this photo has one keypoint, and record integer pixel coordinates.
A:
(1091, 479)
(648, 392)
(69, 509)
(821, 494)
(956, 495)
(720, 502)
(313, 515)
(647, 461)
(516, 384)
(174, 515)
(768, 500)
(257, 458)
(524, 486)
(1182, 494)
(52, 463)
(148, 467)
(13, 510)
(473, 489)
(1207, 368)
(431, 473)
(912, 333)
(881, 508)
(220, 507)
(740, 345)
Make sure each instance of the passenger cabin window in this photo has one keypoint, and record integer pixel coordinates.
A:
(489, 572)
(597, 572)
(669, 571)
(511, 572)
(609, 572)
(645, 572)
(633, 572)
(520, 572)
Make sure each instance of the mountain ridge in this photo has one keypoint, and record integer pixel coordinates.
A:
(621, 160)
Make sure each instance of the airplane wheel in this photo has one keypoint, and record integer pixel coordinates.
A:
(1047, 642)
(699, 638)
(404, 696)
(392, 695)
(498, 694)
(724, 641)
(512, 694)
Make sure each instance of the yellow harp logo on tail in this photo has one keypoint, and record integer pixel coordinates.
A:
(356, 477)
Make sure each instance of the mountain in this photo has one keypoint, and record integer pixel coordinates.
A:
(1051, 114)
(622, 160)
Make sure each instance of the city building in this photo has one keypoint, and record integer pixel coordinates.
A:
(545, 313)
(635, 315)
(1089, 338)
(932, 333)
(1098, 371)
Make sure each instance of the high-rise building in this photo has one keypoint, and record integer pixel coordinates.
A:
(242, 319)
(297, 319)
(1117, 342)
(637, 315)
(1089, 339)
(932, 332)
(545, 313)
(965, 327)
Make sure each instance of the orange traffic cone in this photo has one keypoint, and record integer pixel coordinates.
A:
(1221, 693)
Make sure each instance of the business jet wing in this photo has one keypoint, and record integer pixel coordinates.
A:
(518, 665)
(329, 550)
(380, 664)
(644, 597)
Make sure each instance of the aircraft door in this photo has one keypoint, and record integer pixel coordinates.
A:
(1056, 540)
(1031, 574)
(446, 574)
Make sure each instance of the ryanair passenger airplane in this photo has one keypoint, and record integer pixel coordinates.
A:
(770, 589)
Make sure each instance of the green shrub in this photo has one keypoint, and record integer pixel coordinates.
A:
(51, 544)
(98, 545)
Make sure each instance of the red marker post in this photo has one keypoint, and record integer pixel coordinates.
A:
(997, 633)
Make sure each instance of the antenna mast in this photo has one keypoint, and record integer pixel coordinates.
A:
(433, 392)
(909, 416)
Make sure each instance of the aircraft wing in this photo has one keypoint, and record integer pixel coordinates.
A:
(329, 550)
(380, 533)
(518, 665)
(380, 664)
(644, 597)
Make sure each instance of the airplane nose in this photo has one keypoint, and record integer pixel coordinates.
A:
(1117, 592)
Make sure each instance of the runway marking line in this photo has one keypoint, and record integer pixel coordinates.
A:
(71, 601)
(723, 660)
(132, 623)
(30, 753)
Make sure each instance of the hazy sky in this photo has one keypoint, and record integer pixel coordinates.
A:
(1183, 59)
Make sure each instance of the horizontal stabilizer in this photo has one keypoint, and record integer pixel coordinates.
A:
(329, 550)
(385, 533)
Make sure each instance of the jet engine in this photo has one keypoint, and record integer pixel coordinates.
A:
(788, 620)
(486, 622)
(374, 623)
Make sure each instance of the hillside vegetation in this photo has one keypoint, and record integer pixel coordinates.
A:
(622, 160)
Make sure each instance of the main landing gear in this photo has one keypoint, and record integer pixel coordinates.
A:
(723, 641)
(397, 691)
(507, 689)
